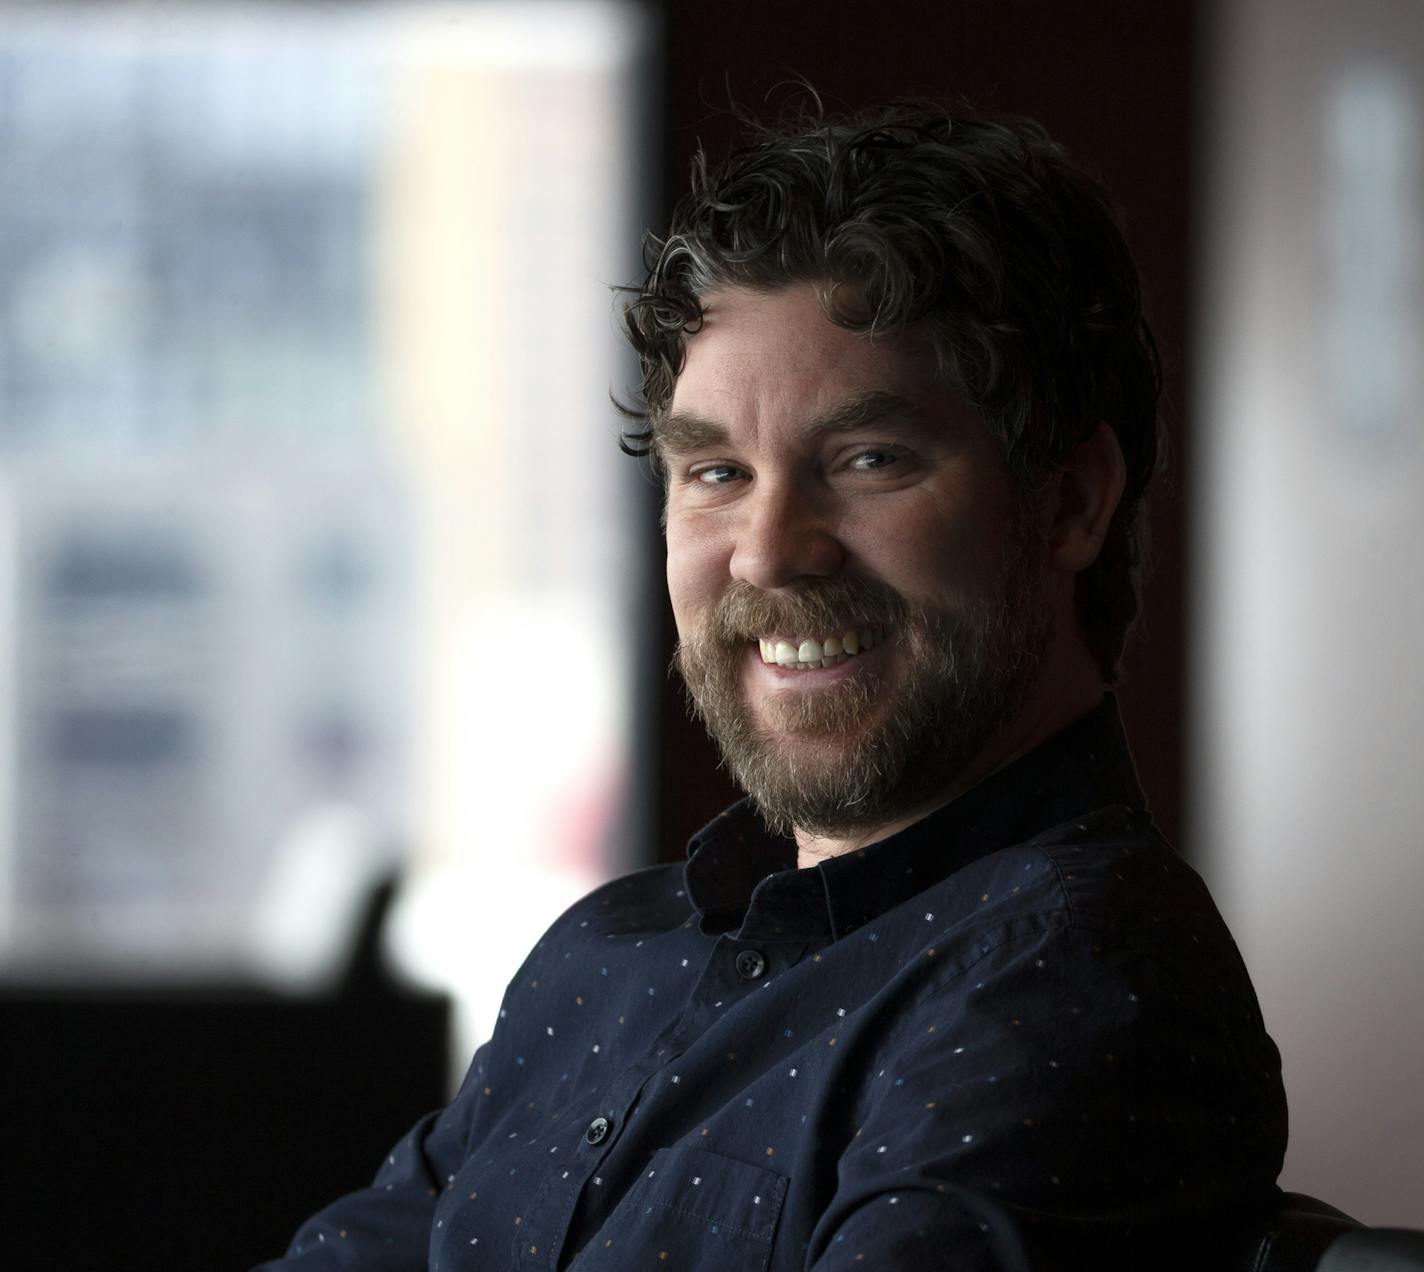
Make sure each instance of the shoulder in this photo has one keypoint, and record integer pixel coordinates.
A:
(1100, 903)
(1105, 886)
(643, 902)
(1106, 869)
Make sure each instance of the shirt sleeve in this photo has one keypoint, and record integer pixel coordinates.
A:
(1054, 1101)
(386, 1227)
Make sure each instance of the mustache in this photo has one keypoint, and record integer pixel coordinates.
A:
(745, 612)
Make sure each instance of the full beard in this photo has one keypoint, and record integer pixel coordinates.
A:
(861, 752)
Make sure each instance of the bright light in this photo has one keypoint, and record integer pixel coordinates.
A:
(316, 534)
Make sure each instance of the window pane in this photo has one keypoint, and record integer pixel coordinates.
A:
(314, 535)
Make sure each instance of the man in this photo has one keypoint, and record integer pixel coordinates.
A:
(937, 995)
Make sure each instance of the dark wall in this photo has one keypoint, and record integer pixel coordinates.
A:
(1108, 78)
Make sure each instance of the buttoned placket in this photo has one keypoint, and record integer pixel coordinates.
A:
(736, 967)
(546, 1219)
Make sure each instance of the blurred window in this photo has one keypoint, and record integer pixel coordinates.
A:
(315, 545)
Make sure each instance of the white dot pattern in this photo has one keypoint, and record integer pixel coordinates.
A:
(1047, 1019)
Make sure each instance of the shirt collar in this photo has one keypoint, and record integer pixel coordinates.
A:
(741, 877)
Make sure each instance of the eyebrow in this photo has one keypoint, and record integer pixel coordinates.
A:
(680, 432)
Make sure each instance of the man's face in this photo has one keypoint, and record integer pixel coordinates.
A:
(856, 580)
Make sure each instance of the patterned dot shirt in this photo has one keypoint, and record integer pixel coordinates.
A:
(1016, 1035)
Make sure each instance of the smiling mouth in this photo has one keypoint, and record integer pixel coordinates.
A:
(810, 652)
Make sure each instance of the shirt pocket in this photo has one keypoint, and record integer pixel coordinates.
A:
(693, 1211)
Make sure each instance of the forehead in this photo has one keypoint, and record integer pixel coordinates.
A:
(768, 358)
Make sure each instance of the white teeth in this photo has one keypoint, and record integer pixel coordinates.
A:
(812, 653)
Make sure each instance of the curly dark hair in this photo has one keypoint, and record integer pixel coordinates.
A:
(974, 228)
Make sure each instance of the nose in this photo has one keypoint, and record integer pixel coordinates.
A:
(784, 533)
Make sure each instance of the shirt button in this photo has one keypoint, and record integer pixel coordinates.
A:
(597, 1131)
(750, 964)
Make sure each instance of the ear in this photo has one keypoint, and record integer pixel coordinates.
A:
(1089, 488)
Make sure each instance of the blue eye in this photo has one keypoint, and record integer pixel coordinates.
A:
(717, 475)
(873, 460)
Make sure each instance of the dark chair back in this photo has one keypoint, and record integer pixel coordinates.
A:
(1296, 1235)
(1375, 1250)
(1305, 1235)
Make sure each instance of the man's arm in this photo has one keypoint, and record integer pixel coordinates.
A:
(1077, 1108)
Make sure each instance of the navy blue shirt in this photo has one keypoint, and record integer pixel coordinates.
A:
(1015, 1035)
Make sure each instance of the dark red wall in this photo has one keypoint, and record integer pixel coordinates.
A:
(1108, 78)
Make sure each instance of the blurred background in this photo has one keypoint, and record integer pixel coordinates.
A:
(332, 661)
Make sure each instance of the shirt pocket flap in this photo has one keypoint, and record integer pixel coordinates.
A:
(692, 1210)
(733, 1195)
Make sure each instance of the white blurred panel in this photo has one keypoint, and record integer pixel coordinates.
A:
(1309, 507)
(510, 176)
(313, 527)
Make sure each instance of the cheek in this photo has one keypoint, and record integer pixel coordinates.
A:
(696, 574)
(936, 558)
